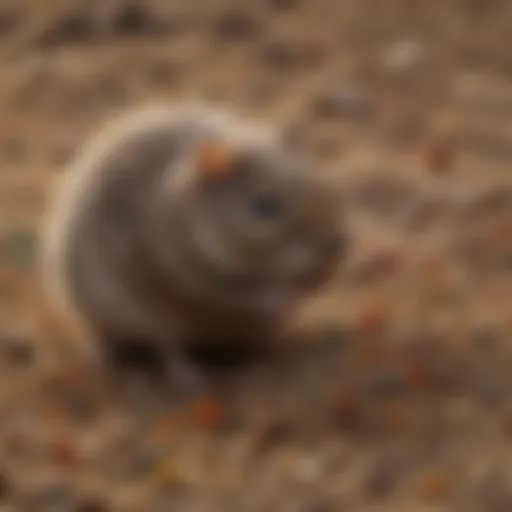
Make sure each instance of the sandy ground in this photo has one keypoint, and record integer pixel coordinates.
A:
(399, 396)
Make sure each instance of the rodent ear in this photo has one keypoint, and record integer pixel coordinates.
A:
(216, 159)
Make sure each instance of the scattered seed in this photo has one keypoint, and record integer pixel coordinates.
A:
(209, 413)
(236, 26)
(65, 454)
(91, 505)
(416, 374)
(439, 156)
(373, 320)
(18, 351)
(377, 266)
(5, 485)
(348, 102)
(167, 475)
(269, 434)
(435, 485)
(380, 480)
(347, 409)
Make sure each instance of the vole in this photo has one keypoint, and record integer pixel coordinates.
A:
(179, 223)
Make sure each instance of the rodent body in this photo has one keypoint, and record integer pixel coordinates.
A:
(182, 223)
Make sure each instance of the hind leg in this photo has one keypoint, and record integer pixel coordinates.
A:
(166, 366)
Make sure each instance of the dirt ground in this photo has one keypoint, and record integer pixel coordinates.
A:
(398, 396)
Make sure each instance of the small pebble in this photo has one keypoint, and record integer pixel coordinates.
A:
(486, 337)
(373, 320)
(403, 56)
(490, 390)
(146, 461)
(133, 18)
(164, 72)
(71, 27)
(416, 374)
(270, 434)
(439, 156)
(58, 496)
(287, 55)
(435, 485)
(383, 195)
(493, 493)
(10, 21)
(284, 5)
(236, 26)
(386, 381)
(5, 486)
(209, 413)
(372, 354)
(378, 266)
(380, 480)
(91, 505)
(347, 409)
(349, 102)
(65, 455)
(18, 351)
(167, 475)
(397, 419)
(506, 422)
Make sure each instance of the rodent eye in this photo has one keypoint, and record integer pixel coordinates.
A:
(266, 206)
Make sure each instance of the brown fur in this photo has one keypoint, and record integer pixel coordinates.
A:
(121, 258)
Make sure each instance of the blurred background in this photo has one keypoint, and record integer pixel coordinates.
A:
(400, 397)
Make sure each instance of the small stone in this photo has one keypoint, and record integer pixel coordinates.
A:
(82, 406)
(57, 496)
(506, 422)
(383, 196)
(168, 476)
(486, 337)
(373, 320)
(74, 26)
(493, 492)
(91, 505)
(403, 56)
(64, 454)
(416, 374)
(209, 413)
(18, 351)
(5, 486)
(10, 21)
(322, 505)
(164, 72)
(439, 156)
(346, 102)
(491, 391)
(146, 461)
(386, 381)
(380, 480)
(435, 485)
(493, 202)
(286, 55)
(347, 409)
(284, 5)
(397, 419)
(235, 26)
(378, 266)
(269, 434)
(16, 149)
(133, 18)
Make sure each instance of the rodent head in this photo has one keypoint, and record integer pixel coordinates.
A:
(257, 221)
